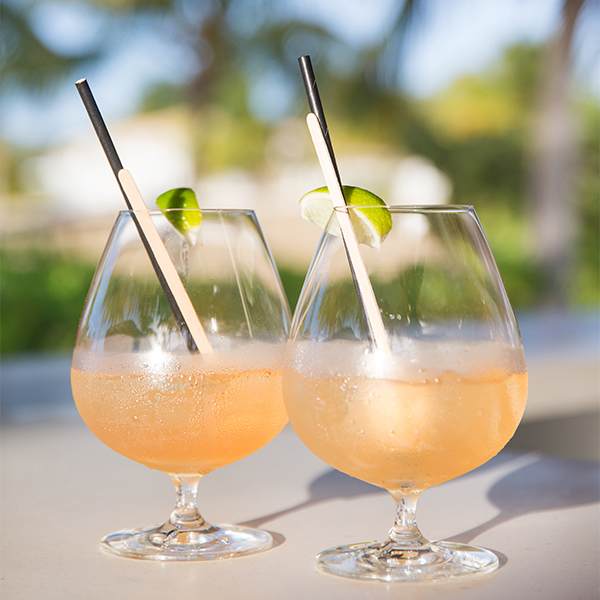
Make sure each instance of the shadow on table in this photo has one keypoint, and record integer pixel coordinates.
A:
(544, 485)
(336, 485)
(329, 486)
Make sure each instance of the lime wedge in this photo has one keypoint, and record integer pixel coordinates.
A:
(185, 221)
(370, 224)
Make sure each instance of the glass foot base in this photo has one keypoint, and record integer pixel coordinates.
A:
(168, 543)
(439, 561)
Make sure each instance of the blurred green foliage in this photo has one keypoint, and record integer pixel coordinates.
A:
(292, 281)
(42, 296)
(586, 287)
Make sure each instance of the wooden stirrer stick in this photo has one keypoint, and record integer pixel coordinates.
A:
(364, 289)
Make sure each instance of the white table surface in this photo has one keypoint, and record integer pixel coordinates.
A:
(62, 490)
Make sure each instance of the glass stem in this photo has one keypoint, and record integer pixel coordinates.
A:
(405, 532)
(186, 515)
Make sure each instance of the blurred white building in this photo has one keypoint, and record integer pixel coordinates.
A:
(75, 185)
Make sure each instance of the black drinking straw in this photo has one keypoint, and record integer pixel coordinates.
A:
(314, 102)
(100, 127)
(115, 162)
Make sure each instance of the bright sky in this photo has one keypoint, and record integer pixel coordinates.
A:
(454, 38)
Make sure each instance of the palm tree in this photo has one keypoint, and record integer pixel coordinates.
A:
(553, 147)
(553, 158)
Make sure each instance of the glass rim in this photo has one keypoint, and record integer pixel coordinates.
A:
(413, 208)
(208, 211)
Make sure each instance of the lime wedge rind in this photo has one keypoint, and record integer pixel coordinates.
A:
(371, 223)
(185, 221)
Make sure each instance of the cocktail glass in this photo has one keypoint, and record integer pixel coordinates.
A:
(142, 392)
(445, 398)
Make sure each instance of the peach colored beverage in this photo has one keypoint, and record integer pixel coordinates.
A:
(182, 423)
(406, 435)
